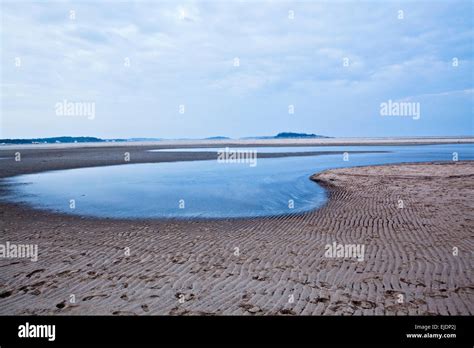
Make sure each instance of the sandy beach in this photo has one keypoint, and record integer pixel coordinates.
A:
(409, 217)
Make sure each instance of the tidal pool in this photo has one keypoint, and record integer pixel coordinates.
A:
(205, 189)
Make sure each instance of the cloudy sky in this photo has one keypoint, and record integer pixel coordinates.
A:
(137, 62)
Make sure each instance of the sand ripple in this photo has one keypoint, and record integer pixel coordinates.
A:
(186, 267)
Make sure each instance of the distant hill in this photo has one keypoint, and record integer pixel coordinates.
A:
(54, 140)
(291, 135)
(66, 140)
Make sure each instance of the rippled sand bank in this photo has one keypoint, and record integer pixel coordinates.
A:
(409, 218)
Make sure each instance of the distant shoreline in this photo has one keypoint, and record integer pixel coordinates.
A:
(386, 141)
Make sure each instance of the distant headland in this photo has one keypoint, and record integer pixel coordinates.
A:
(69, 139)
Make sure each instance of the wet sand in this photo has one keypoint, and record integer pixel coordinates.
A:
(193, 267)
(36, 159)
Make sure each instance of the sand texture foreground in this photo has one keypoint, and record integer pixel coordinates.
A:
(193, 267)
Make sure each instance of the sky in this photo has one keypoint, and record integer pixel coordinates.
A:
(195, 69)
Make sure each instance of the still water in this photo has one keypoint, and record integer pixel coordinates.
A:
(206, 189)
(268, 149)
